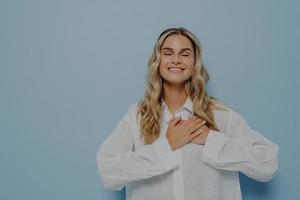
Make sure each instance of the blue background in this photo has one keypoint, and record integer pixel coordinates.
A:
(70, 69)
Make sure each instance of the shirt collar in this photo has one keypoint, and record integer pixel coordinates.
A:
(188, 104)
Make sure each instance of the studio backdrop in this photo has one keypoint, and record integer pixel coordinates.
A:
(69, 70)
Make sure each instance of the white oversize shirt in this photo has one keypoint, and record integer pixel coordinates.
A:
(193, 172)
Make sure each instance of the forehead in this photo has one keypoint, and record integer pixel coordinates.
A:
(177, 42)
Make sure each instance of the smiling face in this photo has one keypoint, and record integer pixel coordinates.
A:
(176, 59)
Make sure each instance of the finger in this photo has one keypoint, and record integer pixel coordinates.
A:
(197, 126)
(180, 122)
(195, 134)
(200, 131)
(174, 121)
(198, 121)
(191, 125)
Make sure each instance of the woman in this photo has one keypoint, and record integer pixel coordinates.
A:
(178, 142)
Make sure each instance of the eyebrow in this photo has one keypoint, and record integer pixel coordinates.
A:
(183, 49)
(186, 49)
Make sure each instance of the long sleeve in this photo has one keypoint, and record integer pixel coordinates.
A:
(119, 163)
(241, 149)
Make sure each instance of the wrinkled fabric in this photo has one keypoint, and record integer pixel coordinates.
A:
(193, 172)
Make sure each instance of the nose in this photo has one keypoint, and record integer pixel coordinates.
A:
(176, 59)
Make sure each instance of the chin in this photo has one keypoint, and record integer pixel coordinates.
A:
(175, 81)
(175, 78)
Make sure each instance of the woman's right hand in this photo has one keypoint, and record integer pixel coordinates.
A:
(180, 132)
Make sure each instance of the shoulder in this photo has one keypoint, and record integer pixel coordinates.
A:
(133, 111)
(224, 110)
(220, 110)
(225, 115)
(221, 114)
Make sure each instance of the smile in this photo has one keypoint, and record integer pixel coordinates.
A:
(175, 69)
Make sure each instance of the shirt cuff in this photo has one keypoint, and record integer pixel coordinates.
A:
(213, 146)
(168, 157)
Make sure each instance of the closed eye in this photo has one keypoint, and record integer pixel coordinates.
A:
(186, 52)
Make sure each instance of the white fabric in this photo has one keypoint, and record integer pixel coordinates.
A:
(194, 172)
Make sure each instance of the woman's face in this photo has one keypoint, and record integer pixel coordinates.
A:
(176, 59)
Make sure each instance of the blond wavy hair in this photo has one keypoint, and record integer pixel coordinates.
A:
(150, 108)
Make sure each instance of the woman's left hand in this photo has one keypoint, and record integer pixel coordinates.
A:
(201, 139)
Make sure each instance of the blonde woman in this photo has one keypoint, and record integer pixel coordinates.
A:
(179, 143)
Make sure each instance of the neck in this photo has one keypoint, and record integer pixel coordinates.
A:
(174, 96)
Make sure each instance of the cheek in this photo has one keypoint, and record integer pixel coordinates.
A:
(190, 62)
(190, 67)
(163, 64)
(189, 71)
(160, 68)
(163, 61)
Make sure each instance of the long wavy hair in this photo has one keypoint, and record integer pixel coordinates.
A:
(150, 108)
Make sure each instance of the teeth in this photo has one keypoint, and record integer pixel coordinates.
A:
(175, 69)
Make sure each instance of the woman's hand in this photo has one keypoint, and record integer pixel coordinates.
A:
(201, 139)
(180, 132)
